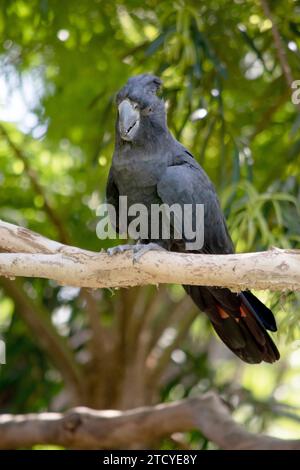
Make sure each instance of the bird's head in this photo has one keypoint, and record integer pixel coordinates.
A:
(141, 112)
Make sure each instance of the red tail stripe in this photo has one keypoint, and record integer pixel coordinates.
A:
(222, 313)
(244, 312)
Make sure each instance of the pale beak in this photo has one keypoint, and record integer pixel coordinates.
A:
(129, 119)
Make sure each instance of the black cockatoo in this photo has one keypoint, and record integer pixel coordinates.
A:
(149, 166)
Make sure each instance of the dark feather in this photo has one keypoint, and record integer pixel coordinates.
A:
(155, 168)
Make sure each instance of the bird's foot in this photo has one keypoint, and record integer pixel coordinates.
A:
(138, 250)
(119, 249)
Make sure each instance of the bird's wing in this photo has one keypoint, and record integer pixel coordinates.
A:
(186, 183)
(112, 197)
(239, 320)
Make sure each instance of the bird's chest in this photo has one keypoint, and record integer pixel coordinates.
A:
(137, 176)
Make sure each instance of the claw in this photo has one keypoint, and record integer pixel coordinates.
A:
(140, 250)
(119, 249)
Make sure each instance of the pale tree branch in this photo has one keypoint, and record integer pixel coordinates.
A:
(84, 428)
(275, 269)
(16, 239)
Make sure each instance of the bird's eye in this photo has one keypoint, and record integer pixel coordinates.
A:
(135, 106)
(146, 110)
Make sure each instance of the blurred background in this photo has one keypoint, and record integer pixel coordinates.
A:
(227, 85)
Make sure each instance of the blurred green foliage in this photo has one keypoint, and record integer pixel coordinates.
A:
(228, 102)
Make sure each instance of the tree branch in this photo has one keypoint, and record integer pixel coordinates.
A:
(280, 48)
(83, 428)
(39, 257)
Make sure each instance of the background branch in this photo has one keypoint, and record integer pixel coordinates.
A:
(280, 47)
(89, 429)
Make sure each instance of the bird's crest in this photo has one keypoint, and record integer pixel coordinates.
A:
(144, 83)
(149, 82)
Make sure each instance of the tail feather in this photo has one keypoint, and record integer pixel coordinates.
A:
(262, 313)
(240, 320)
